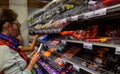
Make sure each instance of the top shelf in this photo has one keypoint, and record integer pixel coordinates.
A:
(113, 8)
(90, 14)
(96, 13)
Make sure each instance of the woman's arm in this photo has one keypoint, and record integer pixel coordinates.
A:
(31, 47)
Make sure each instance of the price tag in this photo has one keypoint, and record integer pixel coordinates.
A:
(56, 31)
(87, 46)
(39, 32)
(92, 2)
(117, 51)
(100, 12)
(74, 17)
(64, 20)
(88, 15)
(42, 31)
(50, 31)
(53, 30)
(76, 68)
(63, 42)
(35, 31)
(63, 60)
(45, 31)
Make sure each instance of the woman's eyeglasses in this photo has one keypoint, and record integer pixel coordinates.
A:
(18, 24)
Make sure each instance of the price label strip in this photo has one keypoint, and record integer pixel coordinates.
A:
(74, 17)
(100, 12)
(88, 46)
(76, 68)
(117, 51)
(63, 42)
(64, 20)
(88, 15)
(35, 31)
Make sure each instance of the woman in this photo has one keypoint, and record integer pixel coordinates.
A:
(19, 38)
(12, 59)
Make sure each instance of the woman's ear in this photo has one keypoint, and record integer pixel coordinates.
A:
(6, 26)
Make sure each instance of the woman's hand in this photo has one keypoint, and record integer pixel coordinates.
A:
(33, 60)
(31, 47)
(32, 53)
(36, 36)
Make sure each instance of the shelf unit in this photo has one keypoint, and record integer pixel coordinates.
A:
(77, 65)
(106, 10)
(87, 15)
(89, 45)
(109, 44)
(52, 8)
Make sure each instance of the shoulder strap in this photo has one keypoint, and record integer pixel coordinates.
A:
(12, 44)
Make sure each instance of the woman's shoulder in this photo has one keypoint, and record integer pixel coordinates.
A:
(6, 50)
(3, 47)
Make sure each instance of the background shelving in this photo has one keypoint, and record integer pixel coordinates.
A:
(85, 19)
(96, 14)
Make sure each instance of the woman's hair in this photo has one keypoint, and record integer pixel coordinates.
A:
(7, 15)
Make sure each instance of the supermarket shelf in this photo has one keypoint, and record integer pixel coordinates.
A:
(48, 31)
(34, 24)
(78, 66)
(113, 8)
(109, 9)
(77, 63)
(92, 14)
(112, 45)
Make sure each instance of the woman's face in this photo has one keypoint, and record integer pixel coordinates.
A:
(15, 29)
